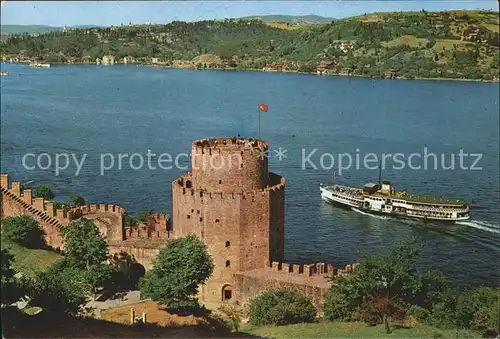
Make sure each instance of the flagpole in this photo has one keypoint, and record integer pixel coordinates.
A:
(258, 112)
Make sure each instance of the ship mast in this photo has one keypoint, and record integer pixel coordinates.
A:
(380, 175)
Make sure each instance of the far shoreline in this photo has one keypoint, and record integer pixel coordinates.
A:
(262, 71)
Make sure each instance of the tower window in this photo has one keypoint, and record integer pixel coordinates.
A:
(220, 181)
(201, 219)
(189, 217)
(228, 263)
(228, 244)
(217, 220)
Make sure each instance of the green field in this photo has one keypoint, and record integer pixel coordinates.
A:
(30, 261)
(356, 330)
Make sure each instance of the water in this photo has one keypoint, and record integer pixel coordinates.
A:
(126, 109)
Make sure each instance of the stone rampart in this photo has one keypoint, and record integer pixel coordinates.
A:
(311, 280)
(109, 218)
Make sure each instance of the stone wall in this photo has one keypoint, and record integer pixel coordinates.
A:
(141, 242)
(311, 280)
(14, 203)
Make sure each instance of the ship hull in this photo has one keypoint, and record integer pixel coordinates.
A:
(357, 202)
(408, 217)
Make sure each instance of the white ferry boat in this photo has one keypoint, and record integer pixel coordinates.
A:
(38, 65)
(383, 199)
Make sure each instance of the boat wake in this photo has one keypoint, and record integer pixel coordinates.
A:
(481, 225)
(369, 214)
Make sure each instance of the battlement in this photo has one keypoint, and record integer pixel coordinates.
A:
(158, 226)
(208, 145)
(63, 215)
(80, 211)
(309, 270)
(143, 231)
(277, 183)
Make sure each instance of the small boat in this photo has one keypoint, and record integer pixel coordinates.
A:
(39, 65)
(4, 74)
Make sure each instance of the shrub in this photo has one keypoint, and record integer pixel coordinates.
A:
(76, 200)
(62, 288)
(44, 191)
(281, 307)
(143, 216)
(11, 291)
(443, 313)
(478, 309)
(419, 313)
(373, 310)
(23, 230)
(233, 313)
(130, 221)
(340, 302)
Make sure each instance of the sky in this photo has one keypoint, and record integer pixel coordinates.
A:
(106, 13)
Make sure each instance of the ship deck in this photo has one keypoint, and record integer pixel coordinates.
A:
(425, 199)
(357, 193)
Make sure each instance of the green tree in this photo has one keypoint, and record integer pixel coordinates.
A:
(84, 245)
(479, 309)
(44, 191)
(391, 276)
(143, 215)
(23, 230)
(104, 276)
(61, 288)
(281, 307)
(76, 200)
(180, 267)
(11, 291)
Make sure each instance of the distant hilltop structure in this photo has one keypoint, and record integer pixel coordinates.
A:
(229, 200)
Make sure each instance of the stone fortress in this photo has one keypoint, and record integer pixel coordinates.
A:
(229, 200)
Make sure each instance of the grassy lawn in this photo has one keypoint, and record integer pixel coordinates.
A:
(291, 27)
(355, 330)
(448, 44)
(491, 27)
(29, 261)
(410, 40)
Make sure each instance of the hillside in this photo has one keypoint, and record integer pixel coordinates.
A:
(453, 44)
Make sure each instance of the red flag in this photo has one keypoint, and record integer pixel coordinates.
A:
(263, 107)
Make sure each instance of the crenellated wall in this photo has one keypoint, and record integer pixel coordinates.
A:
(229, 164)
(311, 280)
(109, 219)
(158, 226)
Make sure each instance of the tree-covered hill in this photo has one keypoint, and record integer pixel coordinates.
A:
(453, 44)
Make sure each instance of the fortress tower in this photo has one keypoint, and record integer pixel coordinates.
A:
(236, 207)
